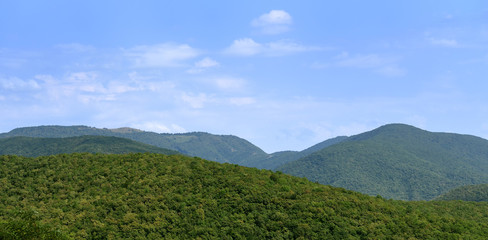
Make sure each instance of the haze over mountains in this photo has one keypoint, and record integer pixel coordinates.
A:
(395, 161)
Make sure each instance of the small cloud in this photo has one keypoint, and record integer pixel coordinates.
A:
(203, 64)
(195, 101)
(228, 83)
(161, 55)
(274, 22)
(206, 63)
(160, 128)
(244, 47)
(443, 42)
(248, 47)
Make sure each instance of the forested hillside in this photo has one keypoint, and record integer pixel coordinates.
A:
(398, 161)
(277, 159)
(33, 147)
(153, 196)
(219, 148)
(475, 193)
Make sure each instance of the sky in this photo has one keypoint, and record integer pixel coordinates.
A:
(283, 75)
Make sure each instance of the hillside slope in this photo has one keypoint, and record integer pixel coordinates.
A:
(152, 196)
(477, 193)
(277, 159)
(33, 147)
(219, 148)
(398, 161)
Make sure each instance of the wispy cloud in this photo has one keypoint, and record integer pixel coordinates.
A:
(248, 47)
(161, 55)
(274, 22)
(241, 101)
(75, 47)
(386, 66)
(229, 83)
(443, 42)
(196, 100)
(17, 84)
(202, 65)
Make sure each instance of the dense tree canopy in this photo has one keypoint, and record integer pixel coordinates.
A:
(154, 196)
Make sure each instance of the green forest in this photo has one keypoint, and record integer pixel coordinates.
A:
(154, 196)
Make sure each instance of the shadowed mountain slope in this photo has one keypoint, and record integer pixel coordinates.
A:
(476, 193)
(33, 147)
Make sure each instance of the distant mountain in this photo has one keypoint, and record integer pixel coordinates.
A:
(154, 196)
(277, 159)
(476, 193)
(32, 147)
(220, 148)
(398, 161)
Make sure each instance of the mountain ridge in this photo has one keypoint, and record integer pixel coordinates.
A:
(398, 161)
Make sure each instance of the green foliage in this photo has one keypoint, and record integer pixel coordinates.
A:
(475, 193)
(398, 161)
(25, 225)
(153, 196)
(32, 147)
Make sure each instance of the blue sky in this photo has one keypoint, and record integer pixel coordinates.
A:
(282, 74)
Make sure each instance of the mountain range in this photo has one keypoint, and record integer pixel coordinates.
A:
(395, 161)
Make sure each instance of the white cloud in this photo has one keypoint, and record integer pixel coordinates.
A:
(443, 42)
(160, 128)
(229, 83)
(202, 65)
(161, 55)
(206, 63)
(195, 101)
(16, 84)
(244, 47)
(248, 47)
(386, 66)
(274, 22)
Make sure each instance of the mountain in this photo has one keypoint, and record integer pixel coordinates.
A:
(398, 161)
(32, 147)
(154, 196)
(476, 193)
(277, 159)
(220, 148)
